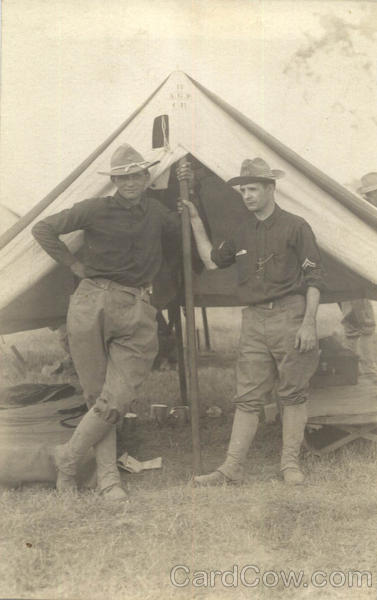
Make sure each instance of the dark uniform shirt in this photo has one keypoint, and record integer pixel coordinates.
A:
(275, 257)
(122, 242)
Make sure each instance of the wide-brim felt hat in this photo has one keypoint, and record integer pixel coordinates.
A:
(255, 169)
(369, 183)
(127, 160)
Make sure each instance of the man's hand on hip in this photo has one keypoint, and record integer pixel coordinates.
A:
(306, 337)
(78, 269)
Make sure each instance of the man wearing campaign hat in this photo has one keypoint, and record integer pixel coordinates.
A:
(279, 278)
(358, 315)
(111, 324)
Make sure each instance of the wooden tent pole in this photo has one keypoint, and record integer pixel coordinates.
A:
(192, 369)
(180, 352)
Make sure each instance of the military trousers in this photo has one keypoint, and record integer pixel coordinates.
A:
(112, 332)
(358, 318)
(268, 362)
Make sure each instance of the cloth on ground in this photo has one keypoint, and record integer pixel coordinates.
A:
(26, 394)
(27, 437)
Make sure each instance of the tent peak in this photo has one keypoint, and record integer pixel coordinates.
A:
(178, 75)
(176, 72)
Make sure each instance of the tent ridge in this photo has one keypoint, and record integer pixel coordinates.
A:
(355, 204)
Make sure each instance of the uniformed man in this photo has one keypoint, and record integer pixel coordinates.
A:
(358, 315)
(111, 323)
(280, 279)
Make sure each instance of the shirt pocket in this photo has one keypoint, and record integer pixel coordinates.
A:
(281, 268)
(243, 268)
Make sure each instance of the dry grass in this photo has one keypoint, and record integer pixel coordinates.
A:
(79, 547)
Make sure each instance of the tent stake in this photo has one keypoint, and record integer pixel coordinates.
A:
(192, 370)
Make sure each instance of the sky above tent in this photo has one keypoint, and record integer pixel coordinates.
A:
(73, 71)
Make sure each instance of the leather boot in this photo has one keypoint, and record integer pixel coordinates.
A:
(245, 425)
(89, 432)
(108, 476)
(294, 421)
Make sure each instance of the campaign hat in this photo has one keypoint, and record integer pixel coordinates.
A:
(127, 160)
(255, 169)
(369, 183)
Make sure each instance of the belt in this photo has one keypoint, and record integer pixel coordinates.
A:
(108, 284)
(268, 305)
(278, 302)
(143, 289)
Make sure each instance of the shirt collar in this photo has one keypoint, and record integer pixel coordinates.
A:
(269, 222)
(124, 203)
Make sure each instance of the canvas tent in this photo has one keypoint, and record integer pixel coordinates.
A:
(182, 117)
(7, 218)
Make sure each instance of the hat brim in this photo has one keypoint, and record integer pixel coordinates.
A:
(245, 179)
(365, 189)
(115, 173)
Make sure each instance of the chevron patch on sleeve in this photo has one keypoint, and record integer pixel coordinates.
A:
(308, 264)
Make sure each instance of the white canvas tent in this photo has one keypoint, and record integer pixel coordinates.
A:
(7, 218)
(195, 121)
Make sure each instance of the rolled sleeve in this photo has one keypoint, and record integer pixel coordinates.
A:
(224, 255)
(309, 256)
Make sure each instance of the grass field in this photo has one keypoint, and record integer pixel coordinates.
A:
(78, 547)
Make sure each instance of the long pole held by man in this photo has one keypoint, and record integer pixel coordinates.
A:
(192, 369)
